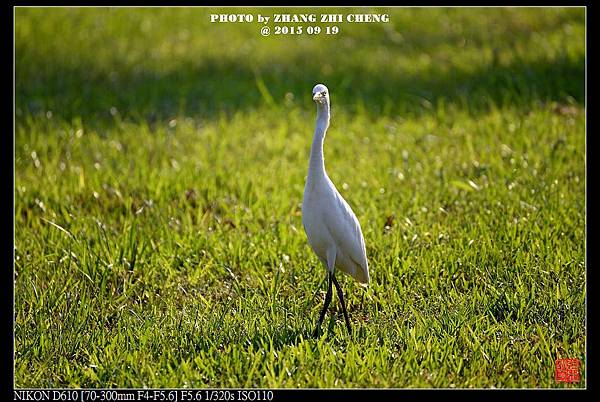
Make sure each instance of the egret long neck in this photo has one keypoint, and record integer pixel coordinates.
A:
(316, 165)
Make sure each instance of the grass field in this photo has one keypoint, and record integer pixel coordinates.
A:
(160, 164)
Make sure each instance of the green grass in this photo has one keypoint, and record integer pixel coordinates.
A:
(160, 165)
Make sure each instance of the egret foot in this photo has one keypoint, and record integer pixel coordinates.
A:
(341, 296)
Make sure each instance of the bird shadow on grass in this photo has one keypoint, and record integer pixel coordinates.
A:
(332, 330)
(215, 87)
(282, 338)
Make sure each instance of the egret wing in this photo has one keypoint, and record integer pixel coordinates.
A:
(345, 229)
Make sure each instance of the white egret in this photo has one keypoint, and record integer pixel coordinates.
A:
(331, 227)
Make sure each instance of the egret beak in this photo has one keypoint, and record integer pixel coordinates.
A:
(317, 96)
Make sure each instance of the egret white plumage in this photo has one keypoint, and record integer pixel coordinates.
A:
(331, 227)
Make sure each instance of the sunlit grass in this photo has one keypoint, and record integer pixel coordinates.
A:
(159, 174)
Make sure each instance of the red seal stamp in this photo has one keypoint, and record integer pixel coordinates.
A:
(567, 370)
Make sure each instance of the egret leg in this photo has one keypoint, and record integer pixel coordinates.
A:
(341, 296)
(362, 299)
(326, 305)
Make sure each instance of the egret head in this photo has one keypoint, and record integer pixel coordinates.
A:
(320, 94)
